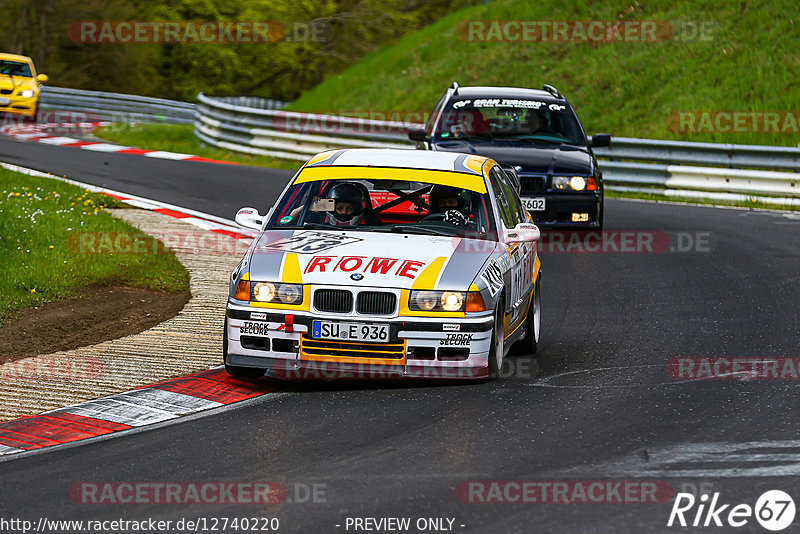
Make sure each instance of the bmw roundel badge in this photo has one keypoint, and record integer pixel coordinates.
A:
(357, 276)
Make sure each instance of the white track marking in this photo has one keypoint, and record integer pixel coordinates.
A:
(105, 147)
(705, 460)
(58, 140)
(167, 155)
(141, 407)
(5, 449)
(545, 382)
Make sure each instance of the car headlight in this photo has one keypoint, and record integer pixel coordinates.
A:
(576, 183)
(423, 300)
(290, 293)
(27, 93)
(560, 182)
(273, 292)
(441, 301)
(452, 300)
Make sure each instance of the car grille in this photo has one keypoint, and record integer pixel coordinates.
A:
(312, 348)
(532, 184)
(6, 91)
(333, 300)
(376, 303)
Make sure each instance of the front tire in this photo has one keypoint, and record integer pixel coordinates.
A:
(530, 344)
(496, 349)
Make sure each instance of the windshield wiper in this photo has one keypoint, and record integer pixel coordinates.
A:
(405, 229)
(540, 140)
(321, 226)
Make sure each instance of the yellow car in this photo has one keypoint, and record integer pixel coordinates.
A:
(19, 85)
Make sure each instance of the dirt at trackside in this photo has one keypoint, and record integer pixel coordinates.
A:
(99, 314)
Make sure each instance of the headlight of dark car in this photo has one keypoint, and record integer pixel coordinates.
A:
(573, 183)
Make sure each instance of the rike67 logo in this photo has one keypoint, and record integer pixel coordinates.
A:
(774, 510)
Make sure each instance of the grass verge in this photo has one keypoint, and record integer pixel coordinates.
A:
(42, 220)
(180, 138)
(743, 60)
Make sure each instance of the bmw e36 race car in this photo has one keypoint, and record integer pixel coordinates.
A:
(386, 263)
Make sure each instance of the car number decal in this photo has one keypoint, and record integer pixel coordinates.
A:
(311, 242)
(493, 278)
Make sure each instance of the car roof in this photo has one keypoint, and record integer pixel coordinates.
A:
(446, 168)
(15, 57)
(400, 158)
(506, 92)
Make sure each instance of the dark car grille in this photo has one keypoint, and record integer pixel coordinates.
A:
(376, 303)
(6, 91)
(532, 184)
(333, 300)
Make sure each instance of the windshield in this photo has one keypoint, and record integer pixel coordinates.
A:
(15, 68)
(509, 119)
(386, 206)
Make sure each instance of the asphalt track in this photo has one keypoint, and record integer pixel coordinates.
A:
(598, 405)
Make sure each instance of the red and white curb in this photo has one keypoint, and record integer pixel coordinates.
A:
(144, 406)
(39, 133)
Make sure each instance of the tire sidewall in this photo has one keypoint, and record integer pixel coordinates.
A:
(496, 349)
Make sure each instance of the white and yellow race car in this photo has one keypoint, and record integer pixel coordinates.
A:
(386, 263)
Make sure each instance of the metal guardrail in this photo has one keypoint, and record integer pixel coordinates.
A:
(262, 128)
(114, 107)
(628, 164)
(713, 154)
(715, 168)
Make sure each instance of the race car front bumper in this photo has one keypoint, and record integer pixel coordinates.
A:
(568, 210)
(281, 343)
(17, 105)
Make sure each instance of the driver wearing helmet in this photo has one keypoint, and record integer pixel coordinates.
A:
(450, 202)
(349, 205)
(345, 204)
(537, 122)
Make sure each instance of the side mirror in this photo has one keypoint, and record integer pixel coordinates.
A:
(249, 218)
(417, 134)
(600, 140)
(42, 78)
(522, 233)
